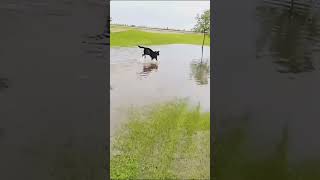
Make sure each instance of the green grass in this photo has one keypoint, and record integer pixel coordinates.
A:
(133, 37)
(165, 141)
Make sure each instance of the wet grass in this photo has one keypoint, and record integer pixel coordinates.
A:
(165, 141)
(133, 37)
(234, 161)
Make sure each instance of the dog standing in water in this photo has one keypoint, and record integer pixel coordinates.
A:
(150, 52)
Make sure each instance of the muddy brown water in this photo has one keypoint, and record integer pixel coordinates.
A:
(138, 81)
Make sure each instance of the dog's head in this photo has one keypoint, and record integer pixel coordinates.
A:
(157, 52)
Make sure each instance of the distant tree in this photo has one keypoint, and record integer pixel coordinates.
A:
(203, 25)
(203, 22)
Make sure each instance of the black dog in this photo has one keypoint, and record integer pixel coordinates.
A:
(148, 51)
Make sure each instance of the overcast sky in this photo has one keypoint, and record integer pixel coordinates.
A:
(171, 14)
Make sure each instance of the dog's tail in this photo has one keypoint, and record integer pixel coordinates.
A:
(141, 46)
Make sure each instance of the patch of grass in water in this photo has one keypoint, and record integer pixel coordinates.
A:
(136, 37)
(170, 141)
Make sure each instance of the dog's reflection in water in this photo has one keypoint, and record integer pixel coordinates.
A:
(148, 68)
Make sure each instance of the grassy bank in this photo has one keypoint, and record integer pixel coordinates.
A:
(171, 140)
(133, 37)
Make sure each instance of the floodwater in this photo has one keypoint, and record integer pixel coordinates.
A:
(53, 76)
(276, 86)
(138, 81)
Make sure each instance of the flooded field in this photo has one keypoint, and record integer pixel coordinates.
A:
(138, 81)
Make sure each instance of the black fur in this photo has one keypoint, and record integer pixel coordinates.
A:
(148, 51)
